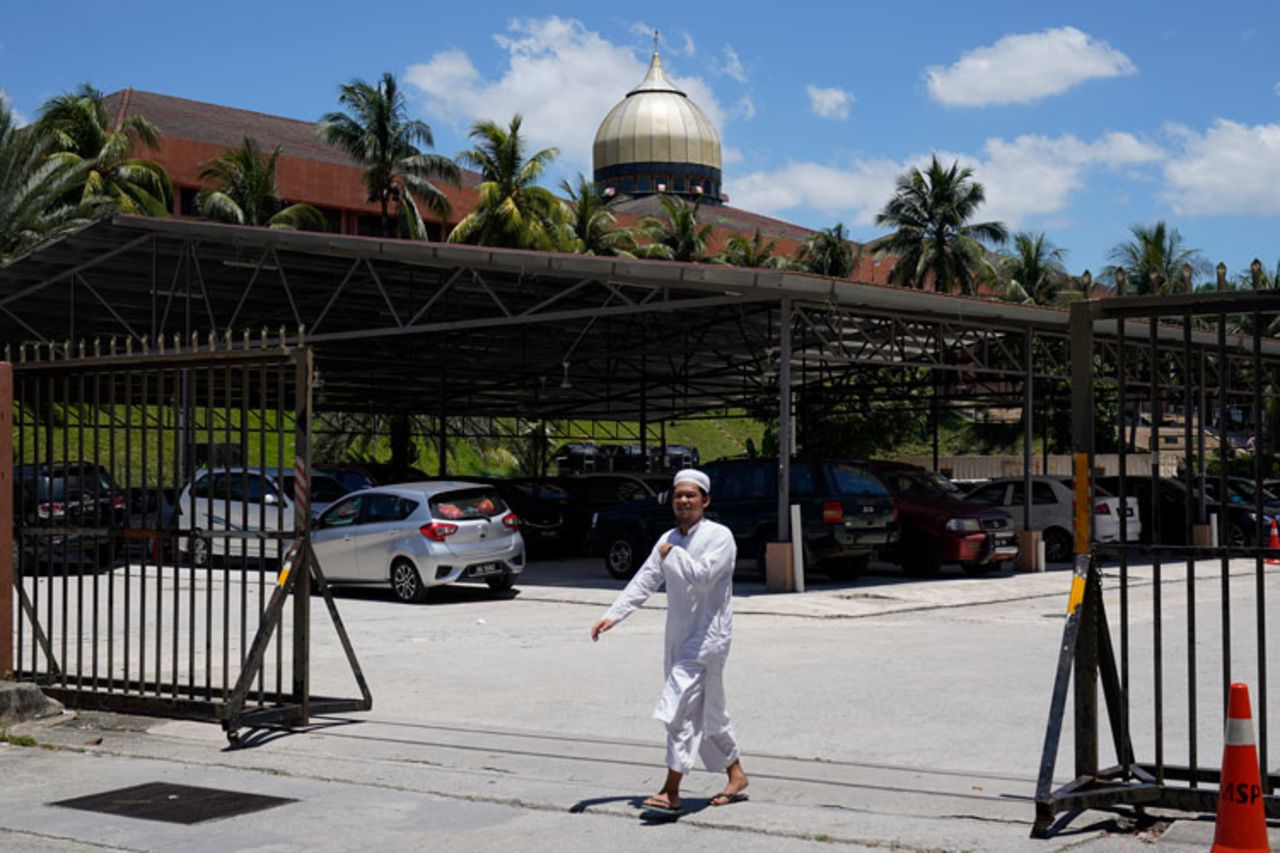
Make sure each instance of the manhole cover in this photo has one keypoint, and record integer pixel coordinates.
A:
(174, 803)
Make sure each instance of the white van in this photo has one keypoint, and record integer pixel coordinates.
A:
(245, 500)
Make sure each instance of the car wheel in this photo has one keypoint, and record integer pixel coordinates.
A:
(921, 561)
(197, 553)
(975, 568)
(847, 568)
(405, 582)
(501, 583)
(622, 556)
(1237, 538)
(1057, 545)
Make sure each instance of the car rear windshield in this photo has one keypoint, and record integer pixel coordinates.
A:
(852, 480)
(59, 484)
(472, 503)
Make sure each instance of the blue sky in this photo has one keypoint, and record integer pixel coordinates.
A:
(1081, 119)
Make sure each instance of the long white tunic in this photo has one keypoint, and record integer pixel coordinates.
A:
(698, 574)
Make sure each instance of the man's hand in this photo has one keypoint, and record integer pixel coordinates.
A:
(664, 549)
(599, 628)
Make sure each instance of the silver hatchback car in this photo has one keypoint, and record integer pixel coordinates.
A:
(415, 536)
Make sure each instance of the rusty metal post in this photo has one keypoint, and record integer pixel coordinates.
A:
(302, 532)
(6, 520)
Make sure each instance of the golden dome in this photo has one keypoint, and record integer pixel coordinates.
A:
(656, 123)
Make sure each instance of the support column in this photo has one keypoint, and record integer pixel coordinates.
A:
(644, 423)
(442, 431)
(1028, 431)
(6, 521)
(784, 422)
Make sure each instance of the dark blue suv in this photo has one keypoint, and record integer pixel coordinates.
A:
(846, 512)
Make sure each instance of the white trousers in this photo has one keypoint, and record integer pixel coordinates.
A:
(698, 724)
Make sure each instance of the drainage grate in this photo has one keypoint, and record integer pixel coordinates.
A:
(174, 803)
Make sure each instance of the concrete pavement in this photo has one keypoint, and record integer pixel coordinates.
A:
(886, 714)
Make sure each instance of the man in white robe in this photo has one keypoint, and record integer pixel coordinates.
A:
(695, 561)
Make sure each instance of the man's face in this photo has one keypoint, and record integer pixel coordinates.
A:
(689, 504)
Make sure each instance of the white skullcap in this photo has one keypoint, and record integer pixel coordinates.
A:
(693, 475)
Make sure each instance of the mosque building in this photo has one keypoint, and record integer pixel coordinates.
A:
(655, 143)
(656, 140)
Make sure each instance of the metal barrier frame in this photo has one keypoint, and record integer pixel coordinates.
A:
(62, 673)
(1087, 654)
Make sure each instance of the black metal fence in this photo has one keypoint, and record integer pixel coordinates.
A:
(1173, 610)
(161, 525)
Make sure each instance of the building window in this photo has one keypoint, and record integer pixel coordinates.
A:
(626, 186)
(370, 225)
(187, 201)
(332, 219)
(644, 184)
(677, 184)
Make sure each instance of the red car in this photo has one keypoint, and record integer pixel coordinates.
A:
(939, 528)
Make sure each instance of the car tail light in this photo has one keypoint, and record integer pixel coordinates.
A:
(49, 510)
(118, 502)
(511, 521)
(895, 509)
(832, 512)
(1102, 509)
(436, 531)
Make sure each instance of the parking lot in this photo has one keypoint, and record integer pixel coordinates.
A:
(885, 712)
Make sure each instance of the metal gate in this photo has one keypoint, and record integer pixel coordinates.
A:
(1181, 611)
(161, 521)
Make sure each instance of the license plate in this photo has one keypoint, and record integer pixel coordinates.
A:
(485, 569)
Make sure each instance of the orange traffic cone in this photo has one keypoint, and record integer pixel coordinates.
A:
(1242, 822)
(1274, 544)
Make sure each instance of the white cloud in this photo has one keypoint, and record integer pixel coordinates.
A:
(688, 48)
(832, 102)
(1229, 168)
(732, 65)
(562, 77)
(1026, 67)
(745, 108)
(1277, 88)
(1024, 177)
(1037, 175)
(18, 118)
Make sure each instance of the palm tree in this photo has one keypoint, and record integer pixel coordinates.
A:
(677, 236)
(83, 133)
(376, 132)
(1156, 249)
(590, 228)
(1035, 266)
(930, 211)
(743, 251)
(830, 253)
(512, 211)
(34, 189)
(247, 193)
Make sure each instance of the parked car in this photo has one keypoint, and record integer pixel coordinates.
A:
(1052, 511)
(1170, 508)
(246, 499)
(416, 536)
(590, 493)
(366, 475)
(81, 500)
(940, 528)
(845, 512)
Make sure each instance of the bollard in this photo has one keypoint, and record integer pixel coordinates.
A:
(797, 547)
(1041, 565)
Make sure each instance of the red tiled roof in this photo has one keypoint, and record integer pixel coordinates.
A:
(228, 126)
(732, 219)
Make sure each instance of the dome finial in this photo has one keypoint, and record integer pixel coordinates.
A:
(655, 41)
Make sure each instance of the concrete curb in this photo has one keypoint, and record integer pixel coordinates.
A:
(20, 701)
